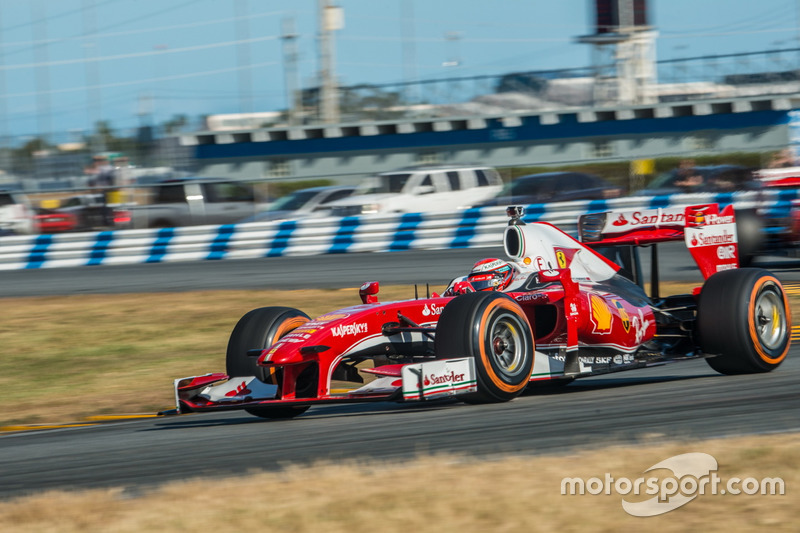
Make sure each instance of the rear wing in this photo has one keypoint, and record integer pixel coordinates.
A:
(709, 234)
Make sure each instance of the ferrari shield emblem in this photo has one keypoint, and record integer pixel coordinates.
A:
(562, 259)
(564, 256)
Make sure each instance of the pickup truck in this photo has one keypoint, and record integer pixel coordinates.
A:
(194, 201)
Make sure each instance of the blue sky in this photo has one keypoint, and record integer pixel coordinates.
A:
(66, 63)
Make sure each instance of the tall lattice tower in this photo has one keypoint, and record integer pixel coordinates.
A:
(623, 54)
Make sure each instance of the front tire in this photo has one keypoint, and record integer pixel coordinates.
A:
(260, 328)
(743, 316)
(493, 329)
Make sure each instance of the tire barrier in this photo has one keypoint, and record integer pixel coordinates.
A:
(467, 228)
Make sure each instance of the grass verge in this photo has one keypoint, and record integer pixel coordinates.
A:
(440, 493)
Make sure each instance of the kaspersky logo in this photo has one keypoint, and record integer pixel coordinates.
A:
(349, 329)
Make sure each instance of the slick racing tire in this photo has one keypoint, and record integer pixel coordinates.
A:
(750, 236)
(743, 316)
(491, 328)
(260, 328)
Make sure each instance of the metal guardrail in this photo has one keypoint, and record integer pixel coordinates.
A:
(474, 227)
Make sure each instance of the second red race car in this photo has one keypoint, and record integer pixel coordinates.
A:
(557, 309)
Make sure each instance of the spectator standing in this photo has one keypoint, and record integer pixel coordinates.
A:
(102, 182)
(688, 178)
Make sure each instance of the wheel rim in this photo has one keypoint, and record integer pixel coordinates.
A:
(507, 344)
(770, 320)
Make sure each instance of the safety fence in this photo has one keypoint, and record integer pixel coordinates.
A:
(468, 228)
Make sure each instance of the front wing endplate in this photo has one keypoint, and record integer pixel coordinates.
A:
(439, 379)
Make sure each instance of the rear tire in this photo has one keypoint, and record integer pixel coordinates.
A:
(743, 316)
(750, 236)
(259, 329)
(491, 328)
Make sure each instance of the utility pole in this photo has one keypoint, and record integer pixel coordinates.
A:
(330, 19)
(243, 57)
(409, 49)
(44, 111)
(289, 38)
(93, 92)
(5, 143)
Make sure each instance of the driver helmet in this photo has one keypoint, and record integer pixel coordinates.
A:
(491, 275)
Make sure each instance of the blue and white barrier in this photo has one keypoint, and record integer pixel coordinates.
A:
(315, 236)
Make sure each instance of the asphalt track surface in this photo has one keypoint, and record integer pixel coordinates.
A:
(678, 401)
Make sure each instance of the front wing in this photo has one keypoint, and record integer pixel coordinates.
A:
(418, 381)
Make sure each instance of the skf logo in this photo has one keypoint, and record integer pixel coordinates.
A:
(626, 321)
(601, 315)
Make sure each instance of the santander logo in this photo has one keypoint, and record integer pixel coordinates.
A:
(652, 217)
(452, 377)
(432, 310)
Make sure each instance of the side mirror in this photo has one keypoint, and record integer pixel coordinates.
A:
(424, 189)
(368, 292)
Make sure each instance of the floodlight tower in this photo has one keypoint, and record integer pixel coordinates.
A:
(331, 18)
(624, 53)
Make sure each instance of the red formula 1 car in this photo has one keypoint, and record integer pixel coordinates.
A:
(558, 310)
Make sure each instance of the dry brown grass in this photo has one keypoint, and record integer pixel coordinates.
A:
(440, 493)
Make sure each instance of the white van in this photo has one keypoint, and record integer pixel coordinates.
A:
(16, 215)
(420, 190)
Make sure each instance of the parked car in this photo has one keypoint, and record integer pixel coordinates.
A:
(314, 201)
(714, 178)
(90, 212)
(194, 201)
(16, 214)
(554, 187)
(54, 221)
(421, 189)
